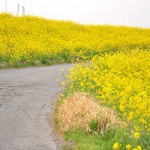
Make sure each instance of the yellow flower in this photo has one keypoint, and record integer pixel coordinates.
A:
(81, 84)
(62, 95)
(128, 147)
(122, 107)
(63, 83)
(139, 147)
(116, 146)
(136, 135)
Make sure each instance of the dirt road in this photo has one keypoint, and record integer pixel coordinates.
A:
(26, 98)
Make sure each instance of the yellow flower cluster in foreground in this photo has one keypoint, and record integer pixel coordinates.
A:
(116, 146)
(120, 81)
(31, 39)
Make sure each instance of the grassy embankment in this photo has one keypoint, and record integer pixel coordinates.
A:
(118, 117)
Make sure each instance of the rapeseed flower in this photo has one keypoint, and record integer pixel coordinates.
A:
(136, 135)
(116, 146)
(139, 147)
(128, 147)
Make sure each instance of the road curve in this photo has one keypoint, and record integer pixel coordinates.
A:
(26, 97)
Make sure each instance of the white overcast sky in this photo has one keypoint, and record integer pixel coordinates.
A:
(115, 12)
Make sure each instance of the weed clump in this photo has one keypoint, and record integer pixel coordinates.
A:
(82, 111)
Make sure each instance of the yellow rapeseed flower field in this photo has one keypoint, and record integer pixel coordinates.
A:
(120, 81)
(33, 40)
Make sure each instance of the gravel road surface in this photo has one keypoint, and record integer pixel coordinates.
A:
(27, 96)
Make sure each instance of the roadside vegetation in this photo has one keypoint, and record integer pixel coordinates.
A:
(118, 115)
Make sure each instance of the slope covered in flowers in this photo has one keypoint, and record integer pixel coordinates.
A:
(120, 81)
(33, 40)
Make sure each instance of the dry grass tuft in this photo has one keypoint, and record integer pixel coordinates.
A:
(106, 119)
(78, 110)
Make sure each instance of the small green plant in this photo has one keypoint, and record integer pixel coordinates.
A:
(108, 134)
(93, 126)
